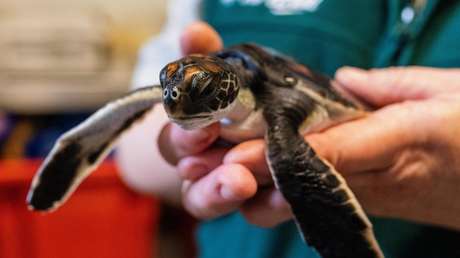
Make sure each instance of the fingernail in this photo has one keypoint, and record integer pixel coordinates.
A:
(227, 193)
(350, 75)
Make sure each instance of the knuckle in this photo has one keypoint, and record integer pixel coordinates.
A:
(195, 205)
(201, 208)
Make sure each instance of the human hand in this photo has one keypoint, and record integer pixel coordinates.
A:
(399, 160)
(209, 189)
(402, 160)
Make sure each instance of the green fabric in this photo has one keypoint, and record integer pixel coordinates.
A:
(360, 33)
(325, 39)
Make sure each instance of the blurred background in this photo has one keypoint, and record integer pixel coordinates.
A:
(60, 61)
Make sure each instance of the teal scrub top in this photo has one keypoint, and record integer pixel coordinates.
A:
(325, 35)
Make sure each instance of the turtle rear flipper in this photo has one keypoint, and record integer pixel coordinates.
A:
(77, 153)
(326, 211)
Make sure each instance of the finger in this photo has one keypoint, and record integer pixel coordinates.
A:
(367, 179)
(220, 192)
(379, 200)
(359, 153)
(175, 143)
(201, 38)
(370, 143)
(267, 209)
(195, 167)
(251, 154)
(403, 181)
(380, 87)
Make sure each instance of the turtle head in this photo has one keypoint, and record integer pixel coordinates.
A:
(198, 90)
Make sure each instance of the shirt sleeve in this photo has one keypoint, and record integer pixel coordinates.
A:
(165, 47)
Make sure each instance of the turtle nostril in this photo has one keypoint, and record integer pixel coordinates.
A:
(165, 93)
(174, 94)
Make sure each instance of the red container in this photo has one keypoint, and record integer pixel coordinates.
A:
(102, 219)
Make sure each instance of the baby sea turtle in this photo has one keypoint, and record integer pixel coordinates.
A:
(253, 92)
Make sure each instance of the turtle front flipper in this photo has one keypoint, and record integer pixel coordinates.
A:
(77, 153)
(325, 210)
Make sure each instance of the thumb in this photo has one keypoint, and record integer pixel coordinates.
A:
(370, 143)
(200, 37)
(380, 87)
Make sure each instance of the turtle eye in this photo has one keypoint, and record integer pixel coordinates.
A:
(175, 93)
